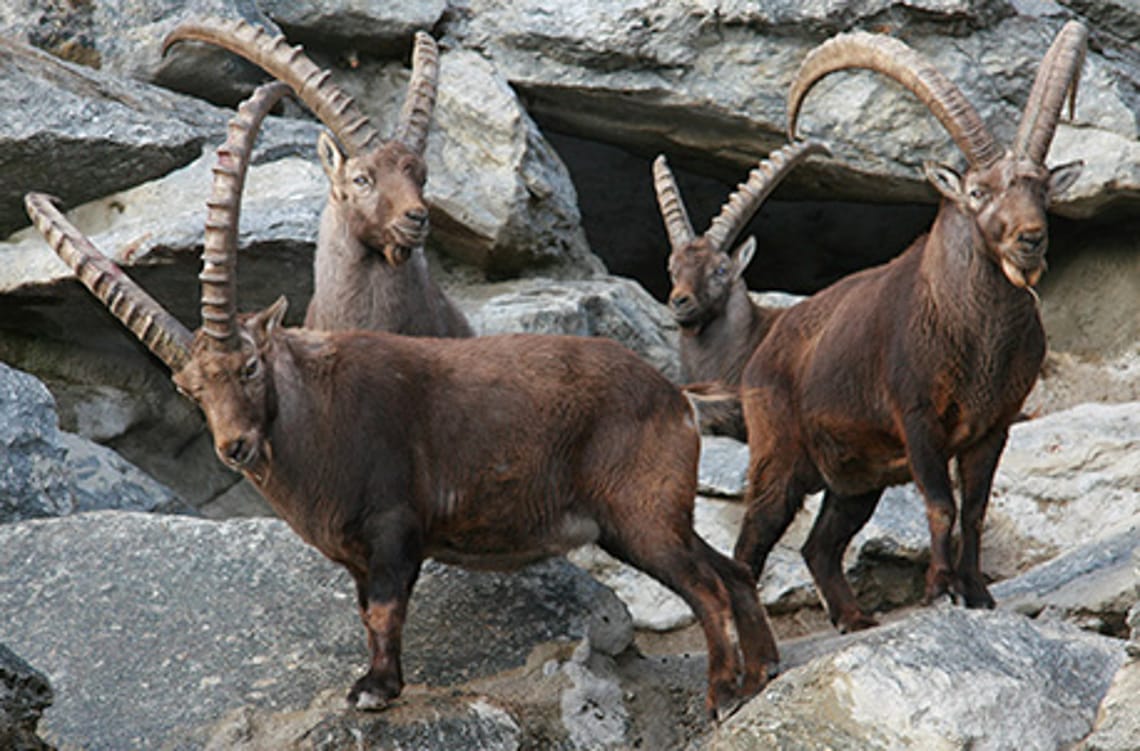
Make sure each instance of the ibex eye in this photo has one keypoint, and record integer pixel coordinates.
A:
(249, 370)
(361, 181)
(721, 270)
(977, 194)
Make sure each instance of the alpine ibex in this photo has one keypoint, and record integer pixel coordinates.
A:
(369, 269)
(891, 372)
(720, 324)
(381, 450)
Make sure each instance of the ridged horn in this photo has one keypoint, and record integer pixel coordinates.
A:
(161, 332)
(750, 195)
(223, 209)
(896, 60)
(336, 109)
(1058, 75)
(419, 102)
(677, 224)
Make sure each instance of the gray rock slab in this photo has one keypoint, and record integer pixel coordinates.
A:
(79, 133)
(944, 678)
(1094, 584)
(606, 306)
(1064, 480)
(707, 84)
(149, 626)
(47, 472)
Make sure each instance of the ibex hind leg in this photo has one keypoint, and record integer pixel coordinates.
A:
(840, 518)
(675, 561)
(757, 642)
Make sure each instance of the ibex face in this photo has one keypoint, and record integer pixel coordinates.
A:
(378, 195)
(235, 390)
(702, 279)
(1007, 202)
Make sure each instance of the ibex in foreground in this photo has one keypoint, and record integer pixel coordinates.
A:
(381, 450)
(889, 373)
(369, 270)
(720, 324)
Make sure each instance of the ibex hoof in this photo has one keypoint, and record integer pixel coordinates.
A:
(372, 694)
(368, 702)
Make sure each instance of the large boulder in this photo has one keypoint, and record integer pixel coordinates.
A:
(79, 134)
(151, 625)
(708, 83)
(47, 472)
(942, 679)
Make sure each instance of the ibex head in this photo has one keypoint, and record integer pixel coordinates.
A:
(222, 366)
(702, 269)
(1005, 195)
(376, 186)
(234, 388)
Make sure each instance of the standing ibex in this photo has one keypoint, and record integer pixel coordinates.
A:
(720, 324)
(369, 270)
(380, 449)
(889, 373)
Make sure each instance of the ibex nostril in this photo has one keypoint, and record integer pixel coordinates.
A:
(419, 216)
(679, 301)
(1031, 239)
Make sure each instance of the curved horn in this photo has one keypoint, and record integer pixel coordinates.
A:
(419, 102)
(1058, 75)
(749, 195)
(896, 60)
(219, 254)
(161, 332)
(336, 109)
(677, 223)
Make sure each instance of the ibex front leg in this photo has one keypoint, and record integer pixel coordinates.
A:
(976, 467)
(926, 453)
(394, 565)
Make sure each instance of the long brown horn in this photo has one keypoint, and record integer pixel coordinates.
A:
(336, 109)
(1058, 75)
(677, 223)
(749, 195)
(161, 332)
(219, 254)
(896, 60)
(419, 102)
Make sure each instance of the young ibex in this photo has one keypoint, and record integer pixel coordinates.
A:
(720, 324)
(369, 269)
(888, 374)
(381, 450)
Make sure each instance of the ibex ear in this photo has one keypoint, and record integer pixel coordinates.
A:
(1062, 177)
(742, 256)
(332, 160)
(945, 180)
(265, 322)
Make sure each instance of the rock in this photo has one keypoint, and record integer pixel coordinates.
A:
(80, 134)
(1117, 725)
(607, 306)
(1093, 585)
(723, 470)
(944, 678)
(46, 472)
(24, 695)
(689, 79)
(125, 38)
(374, 29)
(1065, 479)
(138, 623)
